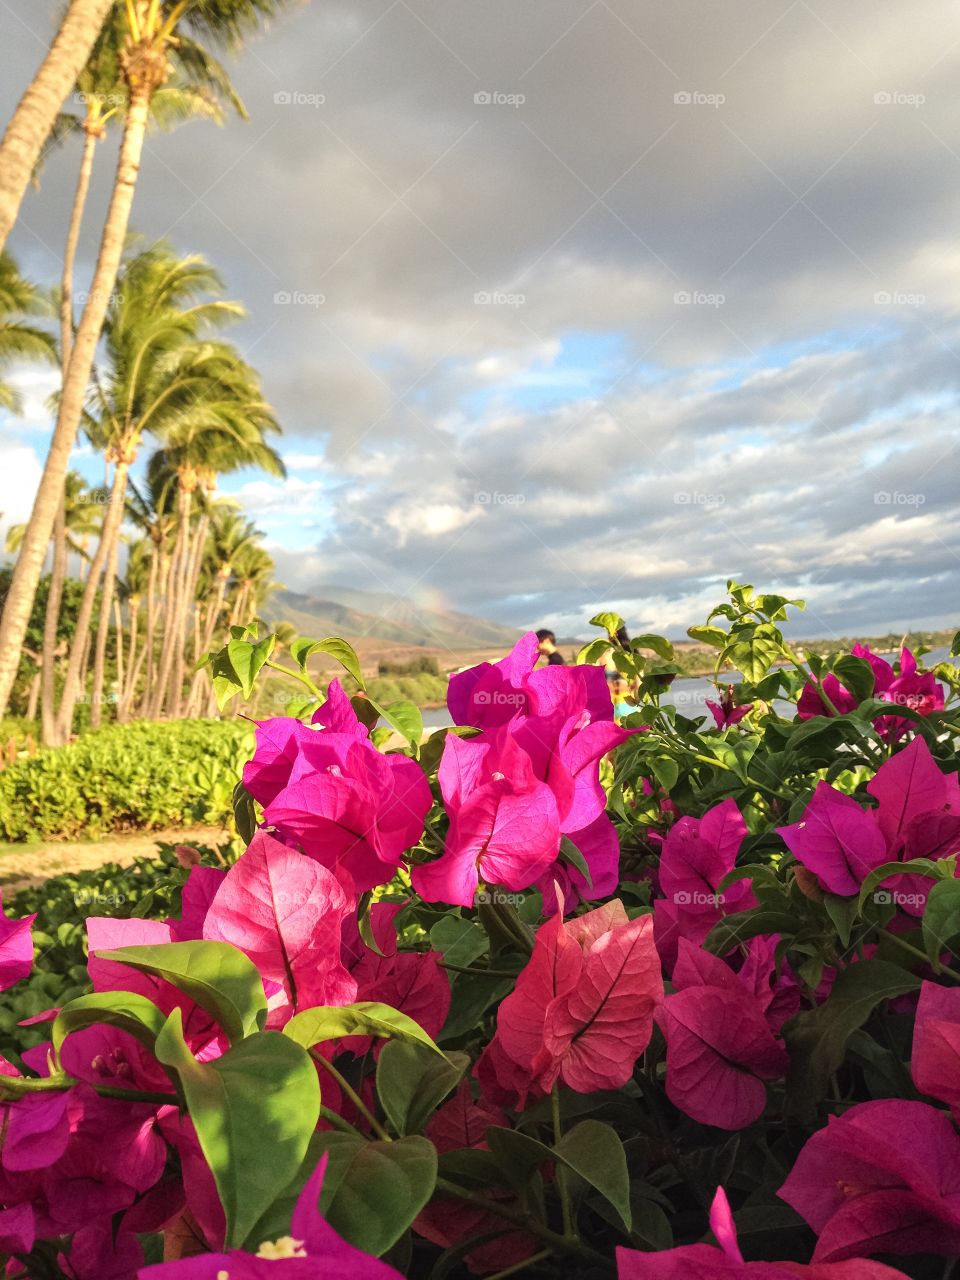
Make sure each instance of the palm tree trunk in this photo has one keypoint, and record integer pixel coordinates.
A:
(33, 119)
(103, 625)
(172, 622)
(26, 575)
(189, 610)
(200, 677)
(157, 572)
(118, 628)
(111, 528)
(58, 573)
(58, 570)
(132, 667)
(33, 696)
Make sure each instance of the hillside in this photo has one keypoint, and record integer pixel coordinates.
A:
(381, 625)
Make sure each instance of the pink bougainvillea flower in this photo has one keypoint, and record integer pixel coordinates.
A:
(582, 1010)
(704, 1262)
(600, 846)
(16, 948)
(720, 1048)
(725, 713)
(504, 826)
(490, 694)
(351, 808)
(837, 839)
(18, 1229)
(935, 1060)
(697, 854)
(882, 1178)
(311, 1249)
(911, 688)
(337, 713)
(411, 981)
(195, 899)
(908, 688)
(285, 912)
(917, 816)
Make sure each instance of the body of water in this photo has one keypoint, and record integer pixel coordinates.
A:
(689, 694)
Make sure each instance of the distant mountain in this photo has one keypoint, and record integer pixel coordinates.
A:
(380, 616)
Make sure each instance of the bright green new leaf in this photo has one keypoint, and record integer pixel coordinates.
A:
(255, 1110)
(216, 975)
(365, 1018)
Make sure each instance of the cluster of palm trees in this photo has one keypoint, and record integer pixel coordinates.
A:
(141, 358)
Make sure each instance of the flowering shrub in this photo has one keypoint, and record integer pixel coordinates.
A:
(542, 993)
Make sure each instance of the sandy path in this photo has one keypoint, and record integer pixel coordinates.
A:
(34, 863)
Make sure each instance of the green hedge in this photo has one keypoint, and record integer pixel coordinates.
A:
(150, 888)
(125, 777)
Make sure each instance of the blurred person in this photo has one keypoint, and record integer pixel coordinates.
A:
(547, 646)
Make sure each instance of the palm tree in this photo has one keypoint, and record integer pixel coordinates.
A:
(20, 340)
(153, 375)
(162, 37)
(34, 117)
(223, 433)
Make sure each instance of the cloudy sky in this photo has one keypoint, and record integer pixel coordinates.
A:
(573, 304)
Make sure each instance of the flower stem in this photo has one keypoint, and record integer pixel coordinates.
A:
(296, 675)
(519, 1266)
(525, 1221)
(921, 955)
(338, 1122)
(352, 1094)
(569, 1227)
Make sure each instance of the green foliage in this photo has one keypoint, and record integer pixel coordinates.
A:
(125, 777)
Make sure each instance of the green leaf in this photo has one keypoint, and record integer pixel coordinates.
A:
(754, 649)
(611, 623)
(372, 1191)
(124, 1009)
(660, 645)
(592, 653)
(843, 913)
(817, 1038)
(405, 717)
(344, 653)
(715, 637)
(666, 771)
(594, 1151)
(216, 975)
(255, 1110)
(459, 941)
(244, 813)
(734, 929)
(365, 1018)
(247, 660)
(941, 918)
(855, 674)
(412, 1081)
(570, 854)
